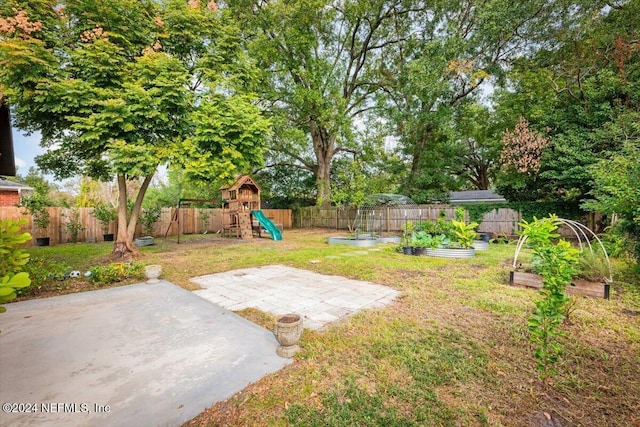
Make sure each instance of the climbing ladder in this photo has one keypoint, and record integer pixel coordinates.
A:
(244, 222)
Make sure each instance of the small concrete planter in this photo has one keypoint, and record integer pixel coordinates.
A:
(451, 253)
(480, 245)
(152, 272)
(288, 331)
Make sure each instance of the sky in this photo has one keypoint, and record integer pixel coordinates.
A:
(25, 149)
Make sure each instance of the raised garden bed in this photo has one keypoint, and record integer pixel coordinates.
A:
(577, 287)
(451, 253)
(362, 241)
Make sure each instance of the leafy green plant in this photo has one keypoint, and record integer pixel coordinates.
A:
(442, 226)
(36, 206)
(427, 226)
(205, 217)
(408, 232)
(105, 214)
(114, 272)
(148, 217)
(420, 239)
(592, 265)
(556, 263)
(464, 234)
(44, 273)
(74, 225)
(12, 260)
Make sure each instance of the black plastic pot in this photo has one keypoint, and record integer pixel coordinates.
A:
(419, 250)
(42, 241)
(407, 250)
(485, 236)
(108, 237)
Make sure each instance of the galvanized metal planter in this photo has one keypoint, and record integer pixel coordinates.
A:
(451, 253)
(360, 243)
(480, 245)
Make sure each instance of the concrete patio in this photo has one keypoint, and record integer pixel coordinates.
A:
(156, 354)
(279, 290)
(139, 355)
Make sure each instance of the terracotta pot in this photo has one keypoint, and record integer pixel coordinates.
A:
(288, 330)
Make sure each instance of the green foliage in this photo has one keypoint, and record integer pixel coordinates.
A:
(592, 265)
(74, 225)
(36, 205)
(12, 260)
(148, 217)
(588, 117)
(105, 213)
(443, 226)
(421, 239)
(229, 138)
(45, 274)
(464, 234)
(616, 190)
(117, 94)
(349, 185)
(556, 262)
(115, 272)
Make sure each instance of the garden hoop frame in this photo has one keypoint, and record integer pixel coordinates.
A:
(582, 233)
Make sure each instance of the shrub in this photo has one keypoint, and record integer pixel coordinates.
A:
(36, 206)
(148, 217)
(74, 225)
(556, 263)
(105, 214)
(12, 260)
(115, 272)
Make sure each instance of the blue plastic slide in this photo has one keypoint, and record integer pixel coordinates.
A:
(267, 224)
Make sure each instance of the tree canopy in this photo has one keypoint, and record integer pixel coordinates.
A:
(332, 100)
(119, 87)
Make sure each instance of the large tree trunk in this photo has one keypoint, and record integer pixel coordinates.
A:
(324, 148)
(123, 245)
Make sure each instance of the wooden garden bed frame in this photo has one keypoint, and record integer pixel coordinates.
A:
(577, 286)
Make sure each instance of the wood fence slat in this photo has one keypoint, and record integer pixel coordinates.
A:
(191, 222)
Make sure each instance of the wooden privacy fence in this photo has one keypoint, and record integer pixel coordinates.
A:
(501, 221)
(192, 221)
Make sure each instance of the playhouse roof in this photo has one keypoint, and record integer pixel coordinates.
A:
(240, 181)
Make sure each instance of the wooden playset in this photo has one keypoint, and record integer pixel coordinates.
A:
(241, 210)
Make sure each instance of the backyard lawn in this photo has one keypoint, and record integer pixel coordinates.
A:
(452, 350)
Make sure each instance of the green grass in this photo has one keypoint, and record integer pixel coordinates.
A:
(452, 350)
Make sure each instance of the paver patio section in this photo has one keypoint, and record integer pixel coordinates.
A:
(156, 355)
(278, 289)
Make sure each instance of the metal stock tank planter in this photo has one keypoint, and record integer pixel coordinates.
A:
(359, 241)
(451, 252)
(144, 241)
(288, 331)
